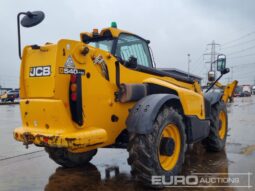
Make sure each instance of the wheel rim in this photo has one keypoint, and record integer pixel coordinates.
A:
(222, 125)
(169, 162)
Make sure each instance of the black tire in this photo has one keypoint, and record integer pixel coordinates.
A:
(214, 142)
(68, 159)
(143, 149)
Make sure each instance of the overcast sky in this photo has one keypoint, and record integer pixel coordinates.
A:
(174, 27)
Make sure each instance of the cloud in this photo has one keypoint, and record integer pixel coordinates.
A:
(175, 27)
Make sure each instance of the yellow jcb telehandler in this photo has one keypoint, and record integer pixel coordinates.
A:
(105, 92)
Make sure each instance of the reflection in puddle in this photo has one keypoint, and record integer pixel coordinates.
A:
(249, 150)
(84, 178)
(87, 178)
(112, 178)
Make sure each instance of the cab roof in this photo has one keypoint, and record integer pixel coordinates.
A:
(114, 31)
(109, 32)
(106, 32)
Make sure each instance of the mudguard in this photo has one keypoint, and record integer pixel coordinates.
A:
(143, 114)
(213, 97)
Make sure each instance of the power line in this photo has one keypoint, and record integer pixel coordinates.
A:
(238, 44)
(239, 73)
(247, 55)
(240, 65)
(245, 77)
(243, 50)
(203, 69)
(238, 39)
(243, 73)
(198, 58)
(196, 62)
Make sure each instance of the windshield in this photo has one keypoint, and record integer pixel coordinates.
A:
(103, 44)
(133, 46)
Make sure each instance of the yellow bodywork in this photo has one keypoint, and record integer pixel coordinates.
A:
(228, 90)
(44, 104)
(4, 95)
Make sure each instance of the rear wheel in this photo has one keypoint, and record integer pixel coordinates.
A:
(161, 152)
(216, 140)
(68, 159)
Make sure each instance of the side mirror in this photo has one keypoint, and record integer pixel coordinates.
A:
(221, 67)
(221, 62)
(32, 19)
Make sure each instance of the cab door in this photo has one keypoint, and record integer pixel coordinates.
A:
(129, 46)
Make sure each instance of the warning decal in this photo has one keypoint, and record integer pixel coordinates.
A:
(69, 62)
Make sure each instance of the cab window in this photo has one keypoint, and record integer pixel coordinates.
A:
(129, 45)
(103, 44)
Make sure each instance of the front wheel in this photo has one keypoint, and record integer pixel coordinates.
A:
(161, 152)
(68, 159)
(216, 140)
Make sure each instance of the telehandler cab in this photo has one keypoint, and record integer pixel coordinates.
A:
(104, 91)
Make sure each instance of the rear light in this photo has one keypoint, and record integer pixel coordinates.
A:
(16, 135)
(75, 98)
(45, 139)
(73, 87)
(73, 78)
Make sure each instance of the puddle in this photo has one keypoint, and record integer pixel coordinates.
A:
(109, 169)
(114, 177)
(249, 150)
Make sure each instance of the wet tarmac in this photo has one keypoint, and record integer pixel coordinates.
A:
(31, 170)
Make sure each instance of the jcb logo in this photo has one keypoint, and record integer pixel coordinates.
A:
(40, 71)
